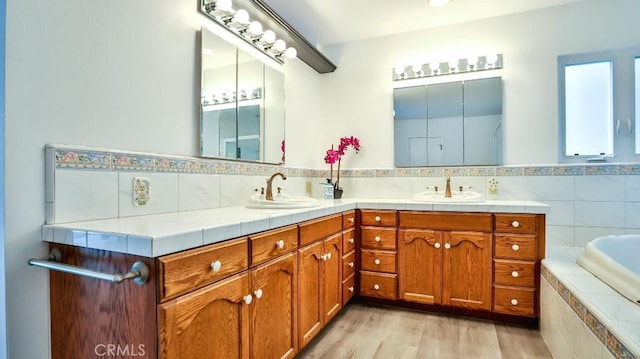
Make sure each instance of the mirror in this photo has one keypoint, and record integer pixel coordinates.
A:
(242, 104)
(448, 124)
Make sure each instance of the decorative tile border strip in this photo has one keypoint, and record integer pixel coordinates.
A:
(70, 157)
(618, 349)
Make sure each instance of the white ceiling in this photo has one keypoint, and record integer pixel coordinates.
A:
(326, 22)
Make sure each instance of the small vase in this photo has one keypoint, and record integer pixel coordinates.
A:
(337, 193)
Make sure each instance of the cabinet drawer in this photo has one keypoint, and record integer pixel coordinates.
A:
(348, 220)
(378, 238)
(514, 273)
(379, 285)
(348, 241)
(447, 221)
(348, 264)
(514, 246)
(378, 218)
(514, 301)
(321, 228)
(348, 289)
(516, 223)
(184, 271)
(271, 244)
(378, 261)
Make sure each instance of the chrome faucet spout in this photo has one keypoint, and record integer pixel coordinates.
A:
(269, 193)
(447, 190)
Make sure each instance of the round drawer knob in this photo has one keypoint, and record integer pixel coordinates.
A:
(377, 218)
(377, 261)
(280, 244)
(258, 293)
(376, 287)
(515, 224)
(351, 220)
(514, 301)
(351, 240)
(447, 245)
(351, 264)
(351, 289)
(437, 245)
(515, 274)
(216, 266)
(328, 256)
(377, 239)
(248, 299)
(515, 247)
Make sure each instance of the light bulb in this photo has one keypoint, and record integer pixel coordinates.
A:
(224, 5)
(241, 17)
(291, 53)
(453, 64)
(416, 68)
(399, 70)
(492, 59)
(472, 60)
(269, 37)
(255, 28)
(280, 45)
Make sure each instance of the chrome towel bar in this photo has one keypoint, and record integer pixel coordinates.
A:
(139, 271)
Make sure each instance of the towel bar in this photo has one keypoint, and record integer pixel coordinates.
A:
(139, 271)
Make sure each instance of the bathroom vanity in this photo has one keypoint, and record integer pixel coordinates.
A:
(267, 293)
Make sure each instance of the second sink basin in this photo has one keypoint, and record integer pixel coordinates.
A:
(456, 197)
(282, 201)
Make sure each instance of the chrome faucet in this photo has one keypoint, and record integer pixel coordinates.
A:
(269, 193)
(447, 190)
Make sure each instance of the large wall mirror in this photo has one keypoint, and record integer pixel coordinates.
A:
(242, 112)
(448, 124)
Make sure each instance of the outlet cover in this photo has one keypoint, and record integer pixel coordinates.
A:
(141, 191)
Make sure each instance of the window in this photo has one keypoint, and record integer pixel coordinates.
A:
(599, 93)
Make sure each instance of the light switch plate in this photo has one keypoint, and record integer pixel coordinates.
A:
(141, 191)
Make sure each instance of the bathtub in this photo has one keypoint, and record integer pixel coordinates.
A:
(616, 261)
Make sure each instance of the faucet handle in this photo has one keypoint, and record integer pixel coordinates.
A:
(464, 187)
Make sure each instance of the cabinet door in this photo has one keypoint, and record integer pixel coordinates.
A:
(332, 281)
(310, 260)
(273, 315)
(212, 322)
(467, 270)
(420, 266)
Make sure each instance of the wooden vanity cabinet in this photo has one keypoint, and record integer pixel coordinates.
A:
(320, 271)
(441, 264)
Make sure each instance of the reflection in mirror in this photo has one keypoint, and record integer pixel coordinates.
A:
(242, 104)
(448, 124)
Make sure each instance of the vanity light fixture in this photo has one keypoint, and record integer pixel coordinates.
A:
(452, 66)
(230, 96)
(239, 22)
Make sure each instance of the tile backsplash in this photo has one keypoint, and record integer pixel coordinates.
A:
(87, 183)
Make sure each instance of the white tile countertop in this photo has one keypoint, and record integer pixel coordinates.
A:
(160, 234)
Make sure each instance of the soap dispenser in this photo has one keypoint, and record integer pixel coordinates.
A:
(328, 189)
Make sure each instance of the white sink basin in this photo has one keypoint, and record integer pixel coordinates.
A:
(456, 197)
(282, 201)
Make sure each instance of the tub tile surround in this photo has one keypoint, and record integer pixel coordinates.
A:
(582, 317)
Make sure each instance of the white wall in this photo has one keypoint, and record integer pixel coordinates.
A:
(359, 96)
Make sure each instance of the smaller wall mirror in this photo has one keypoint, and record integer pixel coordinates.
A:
(448, 124)
(242, 102)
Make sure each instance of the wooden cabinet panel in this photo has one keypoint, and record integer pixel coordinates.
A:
(271, 244)
(378, 218)
(191, 269)
(378, 238)
(420, 266)
(514, 273)
(467, 270)
(455, 221)
(273, 315)
(378, 261)
(515, 301)
(516, 223)
(516, 246)
(348, 289)
(309, 298)
(332, 280)
(348, 219)
(348, 241)
(216, 312)
(318, 229)
(379, 285)
(348, 264)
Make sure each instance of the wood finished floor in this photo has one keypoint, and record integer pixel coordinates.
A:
(370, 332)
